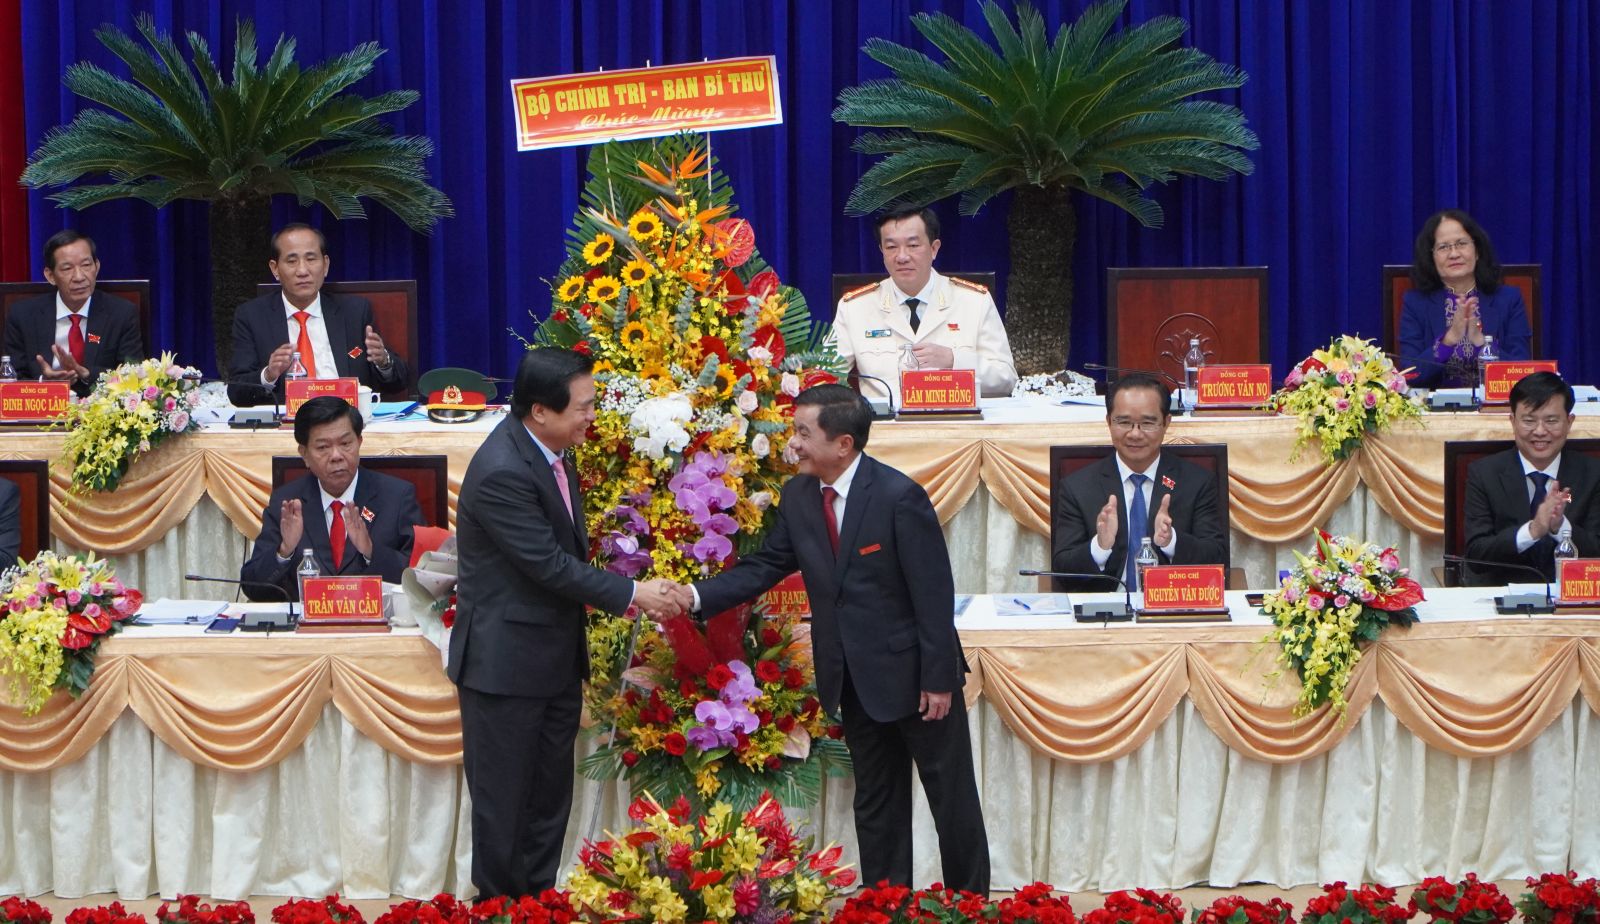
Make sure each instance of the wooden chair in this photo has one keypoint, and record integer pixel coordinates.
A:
(1153, 312)
(1213, 457)
(136, 291)
(394, 308)
(1458, 456)
(32, 478)
(844, 282)
(1525, 276)
(430, 475)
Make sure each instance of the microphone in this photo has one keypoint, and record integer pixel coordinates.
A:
(886, 412)
(251, 417)
(1176, 405)
(1437, 402)
(1092, 612)
(256, 622)
(1513, 604)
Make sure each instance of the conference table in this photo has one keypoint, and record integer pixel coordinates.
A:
(1108, 756)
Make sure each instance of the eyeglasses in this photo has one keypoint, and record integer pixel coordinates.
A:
(1147, 425)
(1551, 422)
(1451, 246)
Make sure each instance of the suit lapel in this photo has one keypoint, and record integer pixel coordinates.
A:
(1111, 483)
(44, 332)
(93, 333)
(545, 476)
(315, 525)
(334, 321)
(575, 492)
(366, 497)
(855, 510)
(890, 312)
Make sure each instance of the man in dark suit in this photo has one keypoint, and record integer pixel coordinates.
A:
(77, 333)
(518, 653)
(1520, 501)
(334, 334)
(867, 542)
(1177, 504)
(10, 522)
(353, 520)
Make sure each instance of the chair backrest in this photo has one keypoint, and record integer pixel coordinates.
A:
(1213, 457)
(394, 308)
(136, 291)
(430, 475)
(844, 282)
(32, 477)
(1525, 276)
(1458, 457)
(1153, 312)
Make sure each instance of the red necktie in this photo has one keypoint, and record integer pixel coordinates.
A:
(75, 337)
(306, 357)
(336, 534)
(828, 496)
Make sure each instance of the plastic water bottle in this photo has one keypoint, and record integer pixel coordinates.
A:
(1564, 550)
(8, 371)
(297, 369)
(1486, 356)
(308, 569)
(1146, 559)
(1193, 362)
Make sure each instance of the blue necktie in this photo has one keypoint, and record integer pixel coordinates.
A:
(1137, 518)
(1540, 479)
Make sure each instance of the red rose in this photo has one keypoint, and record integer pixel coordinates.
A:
(771, 637)
(793, 679)
(768, 671)
(719, 677)
(675, 743)
(774, 762)
(582, 346)
(629, 758)
(836, 732)
(785, 723)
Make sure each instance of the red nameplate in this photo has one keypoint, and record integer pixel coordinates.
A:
(1578, 581)
(1499, 377)
(939, 390)
(788, 598)
(1234, 386)
(356, 599)
(300, 391)
(33, 400)
(1184, 588)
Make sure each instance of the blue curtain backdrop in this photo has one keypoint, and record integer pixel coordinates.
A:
(1371, 116)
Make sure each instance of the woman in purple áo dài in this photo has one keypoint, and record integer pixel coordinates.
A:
(1458, 299)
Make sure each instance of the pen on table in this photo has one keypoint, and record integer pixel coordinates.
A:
(1019, 602)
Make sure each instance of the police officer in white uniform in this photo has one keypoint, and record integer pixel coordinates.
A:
(919, 319)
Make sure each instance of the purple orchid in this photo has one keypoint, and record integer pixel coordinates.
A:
(626, 558)
(707, 739)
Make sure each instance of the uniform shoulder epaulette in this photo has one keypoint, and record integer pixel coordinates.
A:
(968, 284)
(859, 291)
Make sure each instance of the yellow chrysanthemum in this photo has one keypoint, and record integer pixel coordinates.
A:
(571, 289)
(604, 289)
(599, 250)
(632, 334)
(636, 272)
(644, 226)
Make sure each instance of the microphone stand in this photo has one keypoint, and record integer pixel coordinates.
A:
(1176, 405)
(1514, 604)
(889, 412)
(1093, 612)
(257, 622)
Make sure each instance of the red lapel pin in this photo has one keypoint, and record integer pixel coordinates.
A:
(367, 514)
(355, 352)
(94, 338)
(1168, 483)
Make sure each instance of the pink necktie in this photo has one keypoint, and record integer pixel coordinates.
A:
(561, 482)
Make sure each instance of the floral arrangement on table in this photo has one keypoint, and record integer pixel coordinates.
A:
(113, 913)
(1470, 901)
(550, 907)
(699, 352)
(1140, 906)
(1341, 393)
(729, 713)
(1560, 898)
(18, 910)
(314, 911)
(1329, 606)
(678, 864)
(1236, 909)
(132, 409)
(54, 613)
(1370, 904)
(191, 910)
(891, 904)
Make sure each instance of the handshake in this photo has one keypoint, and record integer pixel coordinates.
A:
(662, 598)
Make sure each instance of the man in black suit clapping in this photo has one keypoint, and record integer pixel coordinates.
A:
(334, 334)
(76, 333)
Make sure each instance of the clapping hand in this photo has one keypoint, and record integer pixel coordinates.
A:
(291, 526)
(1162, 534)
(64, 369)
(377, 353)
(1105, 525)
(1466, 325)
(1552, 510)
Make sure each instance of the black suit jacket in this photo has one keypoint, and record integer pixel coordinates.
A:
(10, 522)
(259, 328)
(1497, 506)
(884, 609)
(1196, 515)
(111, 337)
(524, 574)
(393, 502)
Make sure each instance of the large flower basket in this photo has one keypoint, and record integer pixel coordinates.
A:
(132, 409)
(54, 613)
(1341, 394)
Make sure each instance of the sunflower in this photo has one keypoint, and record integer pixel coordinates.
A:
(636, 272)
(632, 334)
(726, 379)
(602, 366)
(644, 226)
(599, 250)
(571, 289)
(604, 289)
(657, 376)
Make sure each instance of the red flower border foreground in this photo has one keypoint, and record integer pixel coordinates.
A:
(1553, 898)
